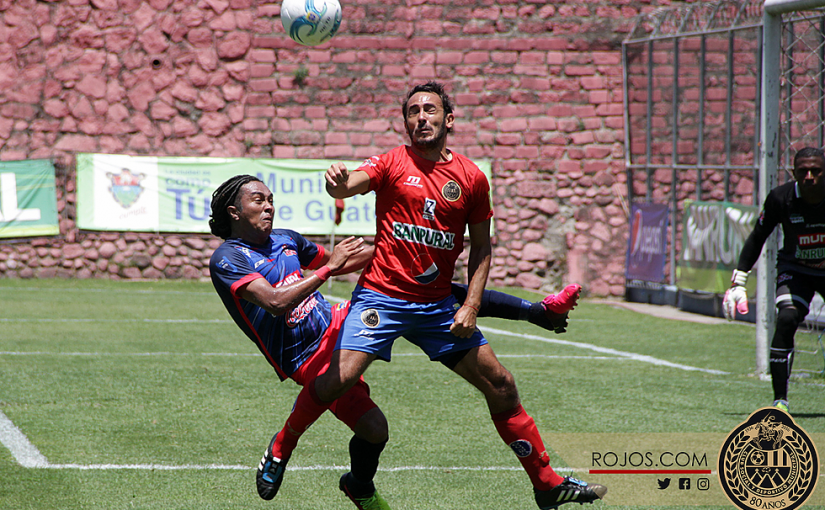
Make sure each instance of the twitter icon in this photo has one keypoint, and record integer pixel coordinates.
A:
(664, 484)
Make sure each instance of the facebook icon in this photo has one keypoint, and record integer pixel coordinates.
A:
(684, 484)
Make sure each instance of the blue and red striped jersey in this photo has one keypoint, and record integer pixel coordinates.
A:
(288, 340)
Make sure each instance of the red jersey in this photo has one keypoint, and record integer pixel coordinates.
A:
(422, 210)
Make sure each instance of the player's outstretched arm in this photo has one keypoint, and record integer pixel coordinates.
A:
(280, 300)
(356, 261)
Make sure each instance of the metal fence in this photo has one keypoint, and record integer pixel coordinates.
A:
(692, 77)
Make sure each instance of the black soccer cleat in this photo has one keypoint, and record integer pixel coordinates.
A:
(270, 473)
(550, 321)
(569, 491)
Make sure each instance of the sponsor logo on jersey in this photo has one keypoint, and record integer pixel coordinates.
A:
(428, 276)
(297, 314)
(429, 209)
(414, 180)
(522, 447)
(811, 240)
(290, 278)
(768, 462)
(259, 263)
(451, 191)
(812, 254)
(225, 264)
(797, 218)
(423, 235)
(371, 162)
(370, 318)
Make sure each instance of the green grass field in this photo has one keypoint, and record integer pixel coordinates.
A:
(145, 395)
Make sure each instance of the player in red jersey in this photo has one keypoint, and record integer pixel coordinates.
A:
(257, 272)
(426, 195)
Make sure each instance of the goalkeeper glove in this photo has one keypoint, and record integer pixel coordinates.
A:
(736, 297)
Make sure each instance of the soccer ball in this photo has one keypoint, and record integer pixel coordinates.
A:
(311, 22)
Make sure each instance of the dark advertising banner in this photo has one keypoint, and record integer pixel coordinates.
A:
(647, 243)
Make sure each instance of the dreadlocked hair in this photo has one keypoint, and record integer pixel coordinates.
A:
(223, 197)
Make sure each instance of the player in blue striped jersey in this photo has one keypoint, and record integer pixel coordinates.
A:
(258, 274)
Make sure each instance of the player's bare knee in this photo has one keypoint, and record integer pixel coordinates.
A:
(372, 426)
(502, 387)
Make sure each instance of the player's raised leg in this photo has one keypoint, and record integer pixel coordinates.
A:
(550, 313)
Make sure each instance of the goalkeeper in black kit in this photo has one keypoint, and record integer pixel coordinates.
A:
(799, 206)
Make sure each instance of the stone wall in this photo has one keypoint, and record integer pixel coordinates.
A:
(538, 86)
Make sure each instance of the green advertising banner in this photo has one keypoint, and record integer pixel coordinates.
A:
(713, 234)
(28, 200)
(166, 194)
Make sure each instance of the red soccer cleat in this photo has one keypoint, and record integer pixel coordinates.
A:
(562, 302)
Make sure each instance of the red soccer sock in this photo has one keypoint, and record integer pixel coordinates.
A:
(308, 408)
(519, 432)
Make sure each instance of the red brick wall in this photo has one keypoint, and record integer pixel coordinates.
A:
(537, 85)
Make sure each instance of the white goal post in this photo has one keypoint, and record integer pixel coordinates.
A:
(769, 149)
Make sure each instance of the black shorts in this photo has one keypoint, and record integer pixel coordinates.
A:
(797, 289)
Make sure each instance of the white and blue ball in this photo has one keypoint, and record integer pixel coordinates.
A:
(311, 22)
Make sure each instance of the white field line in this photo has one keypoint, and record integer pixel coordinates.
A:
(161, 321)
(224, 467)
(28, 456)
(25, 453)
(255, 355)
(606, 350)
(116, 291)
(613, 353)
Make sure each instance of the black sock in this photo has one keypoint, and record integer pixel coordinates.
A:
(496, 304)
(363, 465)
(538, 316)
(781, 362)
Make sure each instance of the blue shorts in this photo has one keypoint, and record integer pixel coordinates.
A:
(375, 320)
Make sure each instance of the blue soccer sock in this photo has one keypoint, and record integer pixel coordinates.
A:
(496, 304)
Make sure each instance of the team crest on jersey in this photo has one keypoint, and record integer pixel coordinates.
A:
(451, 191)
(429, 209)
(370, 318)
(290, 252)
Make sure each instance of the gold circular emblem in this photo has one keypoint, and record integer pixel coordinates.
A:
(768, 462)
(370, 318)
(451, 191)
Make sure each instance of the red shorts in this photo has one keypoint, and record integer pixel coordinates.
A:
(352, 405)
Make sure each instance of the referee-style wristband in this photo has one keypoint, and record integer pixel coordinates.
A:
(323, 273)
